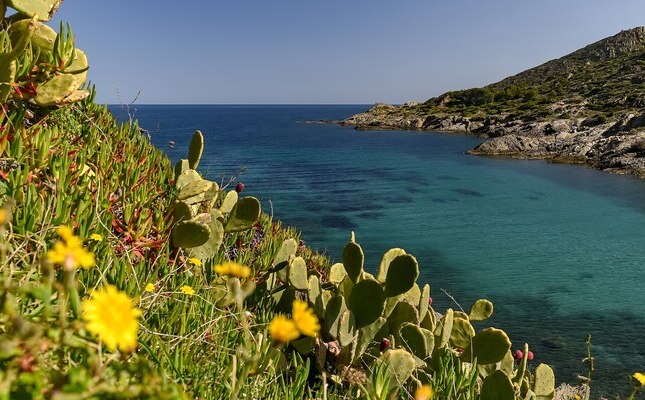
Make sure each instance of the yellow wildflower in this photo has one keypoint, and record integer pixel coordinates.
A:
(187, 290)
(283, 330)
(195, 261)
(70, 252)
(96, 237)
(305, 319)
(424, 392)
(4, 216)
(640, 377)
(112, 316)
(150, 288)
(233, 269)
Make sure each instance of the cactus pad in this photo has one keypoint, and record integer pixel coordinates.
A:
(353, 259)
(385, 263)
(424, 301)
(488, 346)
(186, 176)
(193, 190)
(497, 386)
(180, 167)
(188, 234)
(401, 275)
(337, 273)
(443, 331)
(366, 301)
(335, 308)
(481, 310)
(244, 215)
(462, 333)
(298, 274)
(195, 150)
(43, 10)
(346, 328)
(181, 211)
(544, 384)
(229, 202)
(403, 312)
(400, 365)
(413, 339)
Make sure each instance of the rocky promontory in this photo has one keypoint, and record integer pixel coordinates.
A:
(587, 107)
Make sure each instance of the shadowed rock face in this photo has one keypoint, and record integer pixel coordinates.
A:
(587, 107)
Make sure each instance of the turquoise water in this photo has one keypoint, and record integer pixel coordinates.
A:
(557, 248)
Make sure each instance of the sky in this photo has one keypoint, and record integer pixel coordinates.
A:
(325, 52)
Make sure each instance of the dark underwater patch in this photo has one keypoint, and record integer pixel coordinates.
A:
(468, 192)
(337, 221)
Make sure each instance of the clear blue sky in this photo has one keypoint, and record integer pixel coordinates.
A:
(332, 51)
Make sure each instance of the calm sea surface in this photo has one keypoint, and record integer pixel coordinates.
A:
(559, 249)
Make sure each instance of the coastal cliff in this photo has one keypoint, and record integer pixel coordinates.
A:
(587, 107)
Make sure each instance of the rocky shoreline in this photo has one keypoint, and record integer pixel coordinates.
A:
(616, 146)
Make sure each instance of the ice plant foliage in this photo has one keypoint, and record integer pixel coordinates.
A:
(69, 252)
(233, 269)
(283, 329)
(305, 319)
(112, 316)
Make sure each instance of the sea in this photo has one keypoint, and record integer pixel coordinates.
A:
(559, 249)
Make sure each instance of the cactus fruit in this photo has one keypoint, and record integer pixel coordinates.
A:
(402, 273)
(489, 346)
(385, 263)
(518, 355)
(43, 10)
(385, 344)
(195, 150)
(481, 310)
(188, 234)
(366, 301)
(497, 386)
(399, 365)
(244, 215)
(530, 356)
(239, 188)
(353, 259)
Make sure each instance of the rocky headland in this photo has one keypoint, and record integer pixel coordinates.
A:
(587, 107)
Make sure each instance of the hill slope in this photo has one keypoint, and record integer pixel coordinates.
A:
(586, 107)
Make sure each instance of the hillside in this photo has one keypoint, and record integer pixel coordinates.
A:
(586, 107)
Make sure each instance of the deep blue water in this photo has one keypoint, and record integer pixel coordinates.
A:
(557, 248)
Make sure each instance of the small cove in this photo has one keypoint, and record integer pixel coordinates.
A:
(557, 248)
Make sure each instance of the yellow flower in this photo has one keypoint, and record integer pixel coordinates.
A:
(195, 261)
(305, 319)
(283, 330)
(640, 377)
(424, 392)
(233, 269)
(96, 237)
(112, 316)
(4, 216)
(150, 288)
(70, 252)
(187, 290)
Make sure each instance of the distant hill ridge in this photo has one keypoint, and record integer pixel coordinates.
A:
(623, 43)
(586, 107)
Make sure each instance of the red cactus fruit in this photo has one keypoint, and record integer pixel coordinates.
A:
(530, 356)
(517, 354)
(429, 301)
(239, 187)
(385, 344)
